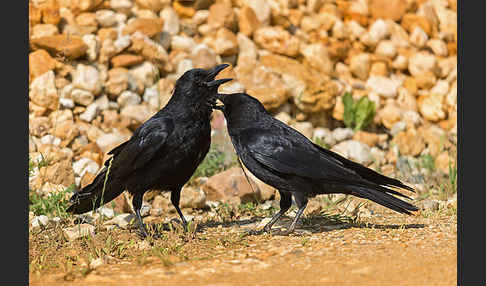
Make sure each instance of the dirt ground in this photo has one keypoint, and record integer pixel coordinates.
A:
(383, 249)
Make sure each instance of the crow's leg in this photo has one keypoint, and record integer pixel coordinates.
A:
(285, 203)
(301, 200)
(137, 205)
(175, 198)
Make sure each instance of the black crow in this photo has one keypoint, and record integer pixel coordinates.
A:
(285, 159)
(163, 152)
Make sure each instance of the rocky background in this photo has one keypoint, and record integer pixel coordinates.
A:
(99, 68)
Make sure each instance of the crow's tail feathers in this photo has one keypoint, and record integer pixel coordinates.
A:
(95, 194)
(380, 195)
(366, 173)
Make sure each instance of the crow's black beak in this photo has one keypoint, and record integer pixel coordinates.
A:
(218, 82)
(213, 72)
(210, 82)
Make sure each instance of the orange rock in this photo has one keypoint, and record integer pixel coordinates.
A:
(107, 33)
(154, 5)
(69, 46)
(409, 142)
(247, 21)
(232, 186)
(79, 6)
(35, 14)
(86, 19)
(221, 15)
(370, 139)
(50, 12)
(183, 11)
(388, 9)
(40, 62)
(87, 179)
(126, 60)
(146, 26)
(452, 48)
(410, 21)
(277, 40)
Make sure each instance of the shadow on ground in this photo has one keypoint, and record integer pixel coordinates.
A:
(307, 225)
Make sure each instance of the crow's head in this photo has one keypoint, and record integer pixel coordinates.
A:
(200, 84)
(240, 107)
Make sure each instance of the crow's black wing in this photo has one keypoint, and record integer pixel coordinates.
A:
(145, 143)
(285, 151)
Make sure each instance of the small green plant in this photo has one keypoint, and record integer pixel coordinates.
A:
(453, 177)
(55, 204)
(427, 161)
(42, 162)
(357, 114)
(214, 162)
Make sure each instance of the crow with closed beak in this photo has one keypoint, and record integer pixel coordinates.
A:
(163, 152)
(285, 159)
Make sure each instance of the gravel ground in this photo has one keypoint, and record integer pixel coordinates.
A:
(383, 249)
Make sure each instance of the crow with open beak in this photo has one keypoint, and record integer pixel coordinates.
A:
(163, 152)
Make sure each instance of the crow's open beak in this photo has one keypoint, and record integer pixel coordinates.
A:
(218, 82)
(211, 82)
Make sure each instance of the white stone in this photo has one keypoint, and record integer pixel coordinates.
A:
(183, 66)
(200, 17)
(128, 97)
(84, 165)
(339, 30)
(382, 85)
(90, 113)
(418, 37)
(106, 211)
(82, 97)
(122, 220)
(44, 30)
(261, 8)
(121, 43)
(87, 77)
(77, 231)
(317, 57)
(400, 62)
(354, 150)
(121, 5)
(102, 102)
(95, 263)
(355, 30)
(324, 135)
(360, 65)
(441, 87)
(182, 43)
(438, 46)
(422, 62)
(93, 46)
(66, 102)
(39, 220)
(43, 90)
(232, 87)
(340, 134)
(110, 140)
(386, 48)
(106, 18)
(146, 72)
(171, 21)
(50, 139)
(377, 32)
(151, 96)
